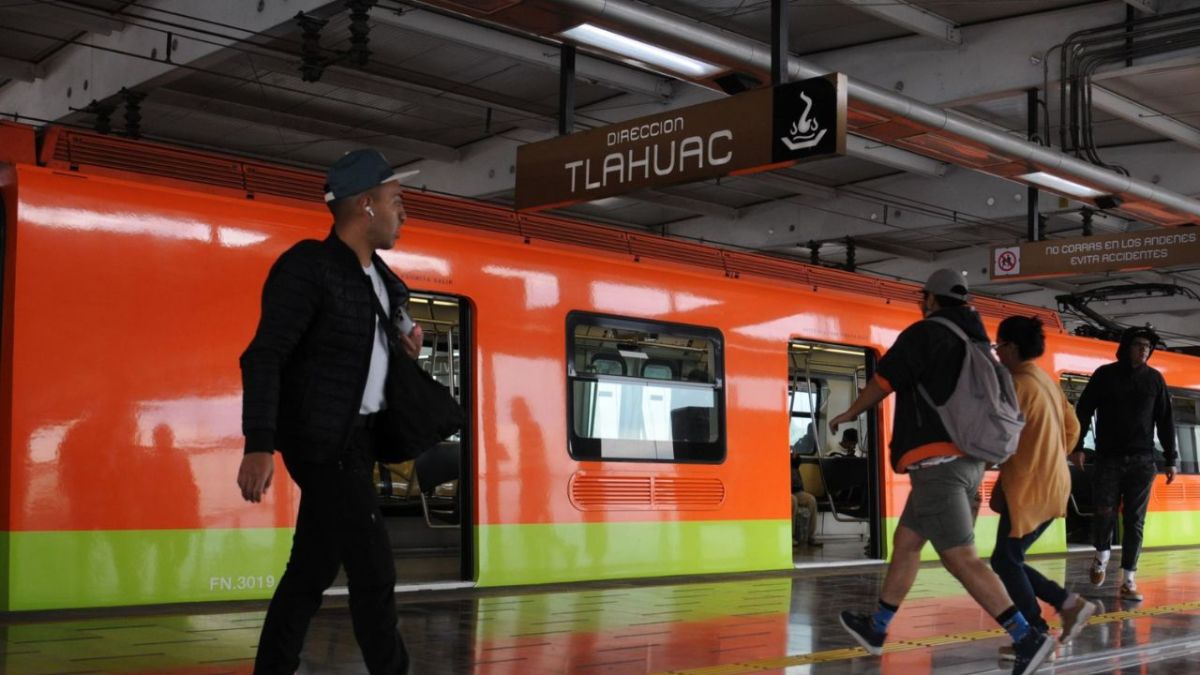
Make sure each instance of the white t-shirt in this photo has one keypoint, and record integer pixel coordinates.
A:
(372, 400)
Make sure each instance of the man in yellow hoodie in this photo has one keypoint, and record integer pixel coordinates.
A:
(1035, 482)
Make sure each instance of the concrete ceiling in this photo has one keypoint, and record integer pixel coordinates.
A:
(455, 96)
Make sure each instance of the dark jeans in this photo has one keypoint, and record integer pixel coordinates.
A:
(1024, 583)
(1125, 481)
(339, 524)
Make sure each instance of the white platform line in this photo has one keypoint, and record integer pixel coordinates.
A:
(409, 588)
(835, 564)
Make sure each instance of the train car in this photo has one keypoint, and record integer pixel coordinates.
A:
(632, 399)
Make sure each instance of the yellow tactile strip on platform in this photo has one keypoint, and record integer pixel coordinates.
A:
(846, 654)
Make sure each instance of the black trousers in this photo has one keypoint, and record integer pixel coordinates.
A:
(339, 524)
(1024, 583)
(1125, 481)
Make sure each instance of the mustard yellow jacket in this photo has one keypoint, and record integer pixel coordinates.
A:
(1036, 480)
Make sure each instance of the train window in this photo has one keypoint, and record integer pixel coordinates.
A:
(1072, 386)
(644, 391)
(806, 397)
(823, 378)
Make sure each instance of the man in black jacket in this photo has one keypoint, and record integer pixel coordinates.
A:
(313, 380)
(941, 505)
(1129, 399)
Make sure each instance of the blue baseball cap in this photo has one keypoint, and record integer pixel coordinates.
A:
(359, 171)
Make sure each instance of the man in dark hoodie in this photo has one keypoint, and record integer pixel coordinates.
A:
(1129, 399)
(944, 480)
(313, 384)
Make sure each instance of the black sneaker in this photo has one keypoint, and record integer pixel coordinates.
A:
(862, 627)
(1031, 651)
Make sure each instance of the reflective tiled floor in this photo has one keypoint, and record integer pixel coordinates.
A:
(772, 624)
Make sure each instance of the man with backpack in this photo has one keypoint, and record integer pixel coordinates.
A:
(924, 368)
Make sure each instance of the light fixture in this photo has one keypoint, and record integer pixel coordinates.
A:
(623, 45)
(1052, 182)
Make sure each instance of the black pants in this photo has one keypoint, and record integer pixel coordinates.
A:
(1125, 481)
(339, 524)
(1024, 583)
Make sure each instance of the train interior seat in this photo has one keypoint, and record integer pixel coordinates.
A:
(658, 369)
(845, 484)
(608, 363)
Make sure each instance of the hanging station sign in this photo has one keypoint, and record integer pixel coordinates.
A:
(756, 131)
(1089, 255)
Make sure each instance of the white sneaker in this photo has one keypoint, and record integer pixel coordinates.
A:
(1130, 592)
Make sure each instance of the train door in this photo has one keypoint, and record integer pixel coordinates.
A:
(427, 502)
(840, 472)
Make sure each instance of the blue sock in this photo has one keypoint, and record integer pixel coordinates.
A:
(883, 616)
(1014, 622)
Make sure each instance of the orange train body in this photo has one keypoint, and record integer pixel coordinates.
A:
(130, 291)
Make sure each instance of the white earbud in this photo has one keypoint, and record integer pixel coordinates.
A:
(370, 211)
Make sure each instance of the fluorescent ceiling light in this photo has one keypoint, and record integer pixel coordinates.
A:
(645, 52)
(1052, 182)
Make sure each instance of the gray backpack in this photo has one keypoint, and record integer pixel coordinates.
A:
(982, 415)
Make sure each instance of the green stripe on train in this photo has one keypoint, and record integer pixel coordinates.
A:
(1053, 540)
(535, 554)
(55, 570)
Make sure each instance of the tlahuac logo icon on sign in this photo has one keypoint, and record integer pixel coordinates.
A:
(808, 119)
(806, 132)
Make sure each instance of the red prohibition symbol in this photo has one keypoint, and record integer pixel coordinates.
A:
(1007, 261)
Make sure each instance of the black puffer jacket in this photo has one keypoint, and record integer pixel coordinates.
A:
(930, 354)
(1129, 403)
(304, 372)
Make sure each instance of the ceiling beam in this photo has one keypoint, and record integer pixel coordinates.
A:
(472, 105)
(697, 206)
(1145, 117)
(621, 78)
(21, 71)
(386, 137)
(909, 16)
(65, 15)
(791, 183)
(109, 62)
(1147, 6)
(897, 249)
(1011, 51)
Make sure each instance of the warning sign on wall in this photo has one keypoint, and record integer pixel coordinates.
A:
(1089, 255)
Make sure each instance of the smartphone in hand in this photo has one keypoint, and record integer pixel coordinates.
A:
(404, 322)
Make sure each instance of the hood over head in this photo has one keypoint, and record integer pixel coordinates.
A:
(1132, 333)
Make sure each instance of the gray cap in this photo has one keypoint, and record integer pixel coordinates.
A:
(947, 283)
(357, 172)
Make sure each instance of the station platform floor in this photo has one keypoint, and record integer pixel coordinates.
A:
(767, 623)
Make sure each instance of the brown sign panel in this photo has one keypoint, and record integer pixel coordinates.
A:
(758, 130)
(1089, 255)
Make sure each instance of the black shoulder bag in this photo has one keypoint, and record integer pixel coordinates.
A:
(420, 411)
